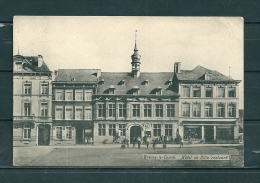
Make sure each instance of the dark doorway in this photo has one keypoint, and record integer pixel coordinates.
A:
(44, 134)
(209, 133)
(135, 131)
(79, 136)
(84, 135)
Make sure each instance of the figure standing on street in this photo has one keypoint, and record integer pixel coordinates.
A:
(147, 141)
(133, 142)
(180, 141)
(154, 143)
(139, 142)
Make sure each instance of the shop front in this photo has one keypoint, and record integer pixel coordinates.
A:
(210, 132)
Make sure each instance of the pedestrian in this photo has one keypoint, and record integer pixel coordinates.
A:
(165, 139)
(147, 141)
(154, 143)
(127, 142)
(139, 142)
(91, 141)
(134, 142)
(180, 141)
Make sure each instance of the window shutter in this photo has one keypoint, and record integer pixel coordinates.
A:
(63, 133)
(72, 133)
(54, 133)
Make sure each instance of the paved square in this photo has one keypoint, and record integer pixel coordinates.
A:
(114, 156)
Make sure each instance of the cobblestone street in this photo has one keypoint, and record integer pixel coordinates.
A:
(114, 156)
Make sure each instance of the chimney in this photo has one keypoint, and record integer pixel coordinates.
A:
(177, 67)
(40, 60)
(56, 73)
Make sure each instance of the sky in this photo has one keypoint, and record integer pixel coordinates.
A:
(107, 43)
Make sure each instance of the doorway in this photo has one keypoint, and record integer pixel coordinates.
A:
(209, 133)
(44, 134)
(135, 131)
(84, 135)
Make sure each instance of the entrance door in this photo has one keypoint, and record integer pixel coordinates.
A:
(209, 133)
(44, 134)
(135, 131)
(79, 136)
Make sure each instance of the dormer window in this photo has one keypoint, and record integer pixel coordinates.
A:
(73, 79)
(111, 90)
(102, 82)
(208, 76)
(135, 90)
(170, 82)
(158, 90)
(146, 82)
(122, 82)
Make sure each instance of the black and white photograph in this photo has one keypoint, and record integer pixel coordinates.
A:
(128, 92)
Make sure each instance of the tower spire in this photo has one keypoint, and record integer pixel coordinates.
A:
(18, 51)
(135, 49)
(136, 60)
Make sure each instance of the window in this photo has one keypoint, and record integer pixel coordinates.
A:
(168, 130)
(192, 132)
(158, 110)
(196, 110)
(196, 92)
(68, 113)
(27, 88)
(58, 113)
(232, 92)
(208, 110)
(58, 132)
(231, 110)
(78, 95)
(136, 110)
(27, 132)
(68, 95)
(207, 76)
(135, 92)
(112, 129)
(122, 110)
(88, 113)
(186, 91)
(101, 110)
(147, 110)
(158, 92)
(44, 88)
(112, 91)
(225, 132)
(221, 92)
(78, 113)
(44, 109)
(186, 110)
(122, 129)
(221, 110)
(68, 132)
(156, 130)
(58, 95)
(170, 110)
(18, 66)
(208, 92)
(27, 109)
(88, 95)
(102, 129)
(111, 110)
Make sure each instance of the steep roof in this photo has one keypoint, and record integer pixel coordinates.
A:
(117, 79)
(198, 72)
(31, 63)
(79, 75)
